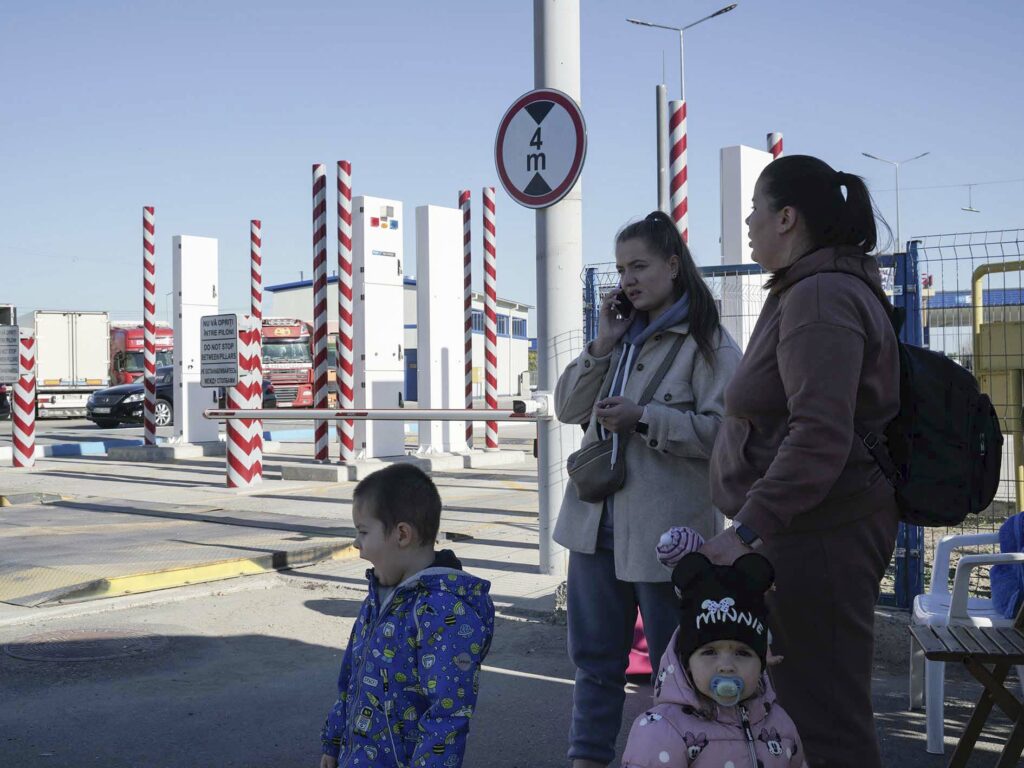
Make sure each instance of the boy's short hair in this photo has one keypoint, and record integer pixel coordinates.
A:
(403, 493)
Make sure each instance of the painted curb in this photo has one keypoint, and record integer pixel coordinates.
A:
(85, 448)
(152, 581)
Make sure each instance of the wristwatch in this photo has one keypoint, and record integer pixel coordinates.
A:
(747, 536)
(641, 426)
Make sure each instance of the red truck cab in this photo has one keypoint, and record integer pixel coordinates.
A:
(127, 351)
(288, 360)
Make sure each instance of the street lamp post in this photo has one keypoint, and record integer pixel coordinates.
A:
(897, 164)
(678, 204)
(680, 30)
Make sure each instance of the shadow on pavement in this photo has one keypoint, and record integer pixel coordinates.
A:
(78, 475)
(256, 701)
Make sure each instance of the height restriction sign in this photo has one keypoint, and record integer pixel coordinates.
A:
(540, 148)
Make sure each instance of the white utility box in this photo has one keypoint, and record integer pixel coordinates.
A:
(195, 294)
(440, 324)
(377, 261)
(742, 295)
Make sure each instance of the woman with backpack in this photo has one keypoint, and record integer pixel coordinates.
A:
(649, 390)
(788, 468)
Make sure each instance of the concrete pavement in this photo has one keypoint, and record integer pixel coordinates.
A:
(246, 670)
(110, 526)
(240, 672)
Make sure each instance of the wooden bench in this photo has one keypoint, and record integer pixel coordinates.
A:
(978, 649)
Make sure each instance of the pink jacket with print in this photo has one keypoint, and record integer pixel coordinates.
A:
(684, 730)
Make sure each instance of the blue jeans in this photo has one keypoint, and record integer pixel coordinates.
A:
(601, 616)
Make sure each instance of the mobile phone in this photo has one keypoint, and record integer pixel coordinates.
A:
(623, 306)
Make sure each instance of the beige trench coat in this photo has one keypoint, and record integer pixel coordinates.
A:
(666, 470)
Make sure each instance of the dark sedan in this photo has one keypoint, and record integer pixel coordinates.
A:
(124, 403)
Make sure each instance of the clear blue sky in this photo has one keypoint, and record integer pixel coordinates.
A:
(215, 111)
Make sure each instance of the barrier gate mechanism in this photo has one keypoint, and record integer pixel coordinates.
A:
(739, 297)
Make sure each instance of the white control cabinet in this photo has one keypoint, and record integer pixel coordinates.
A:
(742, 295)
(377, 230)
(195, 294)
(440, 325)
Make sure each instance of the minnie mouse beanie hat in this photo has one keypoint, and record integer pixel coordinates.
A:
(722, 602)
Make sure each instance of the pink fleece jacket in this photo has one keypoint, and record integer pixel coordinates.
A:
(685, 730)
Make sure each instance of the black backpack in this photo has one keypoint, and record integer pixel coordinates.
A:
(944, 446)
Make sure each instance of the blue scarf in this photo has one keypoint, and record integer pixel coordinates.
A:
(638, 332)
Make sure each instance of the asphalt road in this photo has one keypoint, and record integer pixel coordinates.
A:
(243, 676)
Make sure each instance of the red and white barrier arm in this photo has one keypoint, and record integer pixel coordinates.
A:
(531, 412)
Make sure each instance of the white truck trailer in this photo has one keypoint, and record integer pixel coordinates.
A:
(72, 358)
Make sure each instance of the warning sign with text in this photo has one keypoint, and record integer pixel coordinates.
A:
(218, 356)
(9, 350)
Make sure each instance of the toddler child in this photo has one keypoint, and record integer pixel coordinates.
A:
(409, 677)
(713, 702)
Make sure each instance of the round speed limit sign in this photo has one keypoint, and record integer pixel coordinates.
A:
(540, 147)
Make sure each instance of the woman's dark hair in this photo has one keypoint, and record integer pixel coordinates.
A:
(814, 188)
(659, 233)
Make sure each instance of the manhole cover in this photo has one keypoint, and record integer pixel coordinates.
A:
(86, 645)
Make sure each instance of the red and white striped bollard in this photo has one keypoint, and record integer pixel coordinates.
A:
(467, 271)
(23, 406)
(245, 436)
(149, 323)
(490, 315)
(775, 144)
(679, 200)
(321, 445)
(256, 311)
(345, 361)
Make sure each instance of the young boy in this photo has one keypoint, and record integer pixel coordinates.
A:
(409, 677)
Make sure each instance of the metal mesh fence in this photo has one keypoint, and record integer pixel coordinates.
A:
(972, 292)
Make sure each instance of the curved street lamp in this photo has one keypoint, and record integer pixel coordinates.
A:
(680, 30)
(897, 163)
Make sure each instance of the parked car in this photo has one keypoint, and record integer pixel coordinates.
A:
(5, 402)
(269, 396)
(124, 403)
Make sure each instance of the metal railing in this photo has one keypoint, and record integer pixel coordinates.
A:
(525, 410)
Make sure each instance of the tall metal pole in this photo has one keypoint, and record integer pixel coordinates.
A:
(556, 62)
(899, 239)
(661, 98)
(680, 173)
(682, 77)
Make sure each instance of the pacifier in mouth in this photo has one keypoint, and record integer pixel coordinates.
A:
(727, 689)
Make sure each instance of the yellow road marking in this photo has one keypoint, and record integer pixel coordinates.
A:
(198, 574)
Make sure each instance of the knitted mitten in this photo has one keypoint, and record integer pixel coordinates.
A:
(676, 542)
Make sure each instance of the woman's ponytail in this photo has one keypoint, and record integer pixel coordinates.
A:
(857, 221)
(815, 189)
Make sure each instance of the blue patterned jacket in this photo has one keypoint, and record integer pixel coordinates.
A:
(410, 675)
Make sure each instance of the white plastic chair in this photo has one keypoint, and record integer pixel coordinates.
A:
(939, 607)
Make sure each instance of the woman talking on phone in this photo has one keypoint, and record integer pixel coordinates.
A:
(650, 390)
